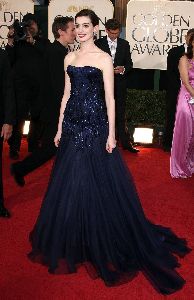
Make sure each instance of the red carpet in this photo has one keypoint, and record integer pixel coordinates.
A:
(166, 201)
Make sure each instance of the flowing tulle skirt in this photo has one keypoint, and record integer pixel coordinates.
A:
(91, 215)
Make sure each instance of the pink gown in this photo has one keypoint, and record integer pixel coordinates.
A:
(182, 152)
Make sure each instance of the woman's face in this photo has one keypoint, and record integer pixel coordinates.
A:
(84, 29)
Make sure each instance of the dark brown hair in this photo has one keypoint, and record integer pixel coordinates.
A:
(190, 31)
(189, 53)
(90, 14)
(112, 24)
(60, 23)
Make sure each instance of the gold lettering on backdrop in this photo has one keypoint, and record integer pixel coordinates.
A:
(71, 8)
(76, 9)
(158, 32)
(4, 5)
(154, 27)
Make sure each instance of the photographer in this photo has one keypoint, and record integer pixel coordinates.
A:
(63, 29)
(26, 50)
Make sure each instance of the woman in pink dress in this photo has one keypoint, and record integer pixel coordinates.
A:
(182, 152)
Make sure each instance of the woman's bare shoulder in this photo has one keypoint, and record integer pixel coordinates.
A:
(105, 57)
(184, 63)
(70, 56)
(184, 59)
(105, 62)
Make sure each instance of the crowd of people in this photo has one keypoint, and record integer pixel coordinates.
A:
(37, 69)
(91, 211)
(35, 88)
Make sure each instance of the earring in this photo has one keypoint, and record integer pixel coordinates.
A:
(95, 35)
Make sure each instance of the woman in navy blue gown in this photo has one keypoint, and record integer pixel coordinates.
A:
(91, 213)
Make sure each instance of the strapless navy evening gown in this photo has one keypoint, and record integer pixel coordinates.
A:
(91, 213)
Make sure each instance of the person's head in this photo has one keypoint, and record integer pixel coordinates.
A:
(190, 46)
(187, 36)
(86, 24)
(113, 29)
(32, 23)
(63, 29)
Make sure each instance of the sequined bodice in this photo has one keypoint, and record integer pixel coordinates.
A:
(85, 116)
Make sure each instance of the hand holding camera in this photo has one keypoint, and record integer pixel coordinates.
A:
(19, 31)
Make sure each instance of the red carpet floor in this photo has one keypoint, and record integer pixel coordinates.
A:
(166, 201)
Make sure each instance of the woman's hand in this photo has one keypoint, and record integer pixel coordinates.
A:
(110, 144)
(57, 138)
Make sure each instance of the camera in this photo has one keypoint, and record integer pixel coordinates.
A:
(20, 30)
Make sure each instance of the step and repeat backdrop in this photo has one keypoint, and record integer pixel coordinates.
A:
(9, 12)
(103, 8)
(152, 27)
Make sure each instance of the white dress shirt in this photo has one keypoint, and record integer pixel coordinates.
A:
(113, 47)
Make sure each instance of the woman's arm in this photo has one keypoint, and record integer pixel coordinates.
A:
(184, 74)
(65, 98)
(108, 77)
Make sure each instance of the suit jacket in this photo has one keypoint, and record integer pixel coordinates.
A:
(173, 75)
(28, 74)
(25, 57)
(122, 55)
(54, 81)
(7, 101)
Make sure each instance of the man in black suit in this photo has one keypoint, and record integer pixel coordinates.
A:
(7, 115)
(173, 87)
(26, 48)
(64, 32)
(119, 50)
